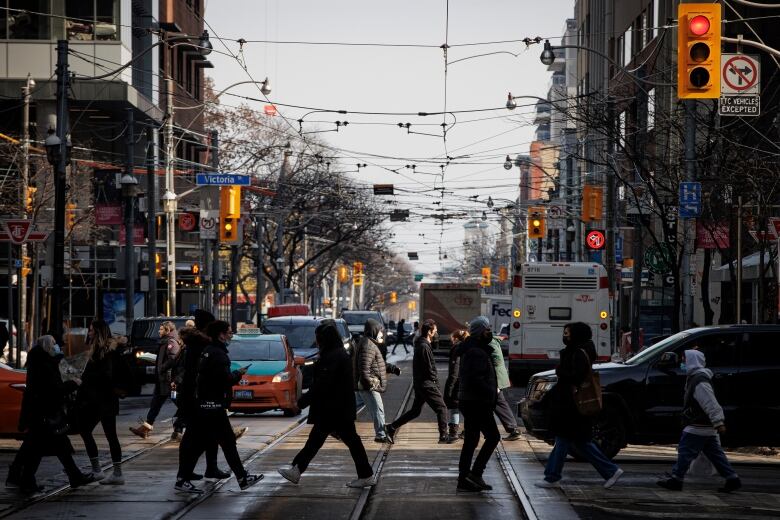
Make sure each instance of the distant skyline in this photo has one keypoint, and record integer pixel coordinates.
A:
(402, 79)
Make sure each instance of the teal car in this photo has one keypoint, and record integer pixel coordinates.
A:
(273, 380)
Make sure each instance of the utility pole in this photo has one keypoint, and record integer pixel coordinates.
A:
(260, 285)
(21, 334)
(611, 235)
(170, 199)
(58, 275)
(151, 221)
(129, 193)
(688, 230)
(739, 260)
(280, 227)
(213, 273)
(235, 264)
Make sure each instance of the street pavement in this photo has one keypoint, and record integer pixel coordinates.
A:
(417, 479)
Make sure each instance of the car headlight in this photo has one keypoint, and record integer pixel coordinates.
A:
(309, 363)
(281, 377)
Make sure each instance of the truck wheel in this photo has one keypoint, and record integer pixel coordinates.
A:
(609, 433)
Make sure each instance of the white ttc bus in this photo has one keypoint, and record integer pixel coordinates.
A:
(547, 296)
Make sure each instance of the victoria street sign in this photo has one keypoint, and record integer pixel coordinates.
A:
(222, 179)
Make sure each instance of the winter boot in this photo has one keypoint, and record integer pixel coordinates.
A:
(453, 431)
(97, 471)
(142, 430)
(116, 478)
(239, 431)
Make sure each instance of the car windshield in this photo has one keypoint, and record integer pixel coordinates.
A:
(655, 350)
(256, 350)
(299, 335)
(358, 318)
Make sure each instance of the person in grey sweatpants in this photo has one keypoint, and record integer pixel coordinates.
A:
(503, 409)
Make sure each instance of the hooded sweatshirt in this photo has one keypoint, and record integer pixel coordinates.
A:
(701, 411)
(368, 364)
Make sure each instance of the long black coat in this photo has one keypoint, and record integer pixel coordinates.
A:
(194, 344)
(477, 381)
(452, 383)
(565, 419)
(44, 394)
(331, 395)
(98, 390)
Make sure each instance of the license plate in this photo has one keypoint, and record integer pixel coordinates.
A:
(150, 370)
(243, 394)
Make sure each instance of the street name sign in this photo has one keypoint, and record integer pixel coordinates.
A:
(690, 199)
(222, 179)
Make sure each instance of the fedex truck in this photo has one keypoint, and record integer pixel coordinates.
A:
(547, 296)
(451, 306)
(498, 309)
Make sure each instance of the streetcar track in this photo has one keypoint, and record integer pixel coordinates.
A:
(514, 482)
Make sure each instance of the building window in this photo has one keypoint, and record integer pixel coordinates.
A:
(627, 47)
(92, 19)
(28, 26)
(656, 20)
(650, 109)
(645, 37)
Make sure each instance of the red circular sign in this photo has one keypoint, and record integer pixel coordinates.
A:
(745, 70)
(595, 239)
(187, 222)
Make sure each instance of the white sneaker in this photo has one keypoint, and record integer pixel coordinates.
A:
(547, 484)
(614, 478)
(362, 482)
(291, 473)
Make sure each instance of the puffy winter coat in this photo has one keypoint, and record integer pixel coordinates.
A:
(44, 394)
(477, 378)
(369, 368)
(331, 395)
(166, 359)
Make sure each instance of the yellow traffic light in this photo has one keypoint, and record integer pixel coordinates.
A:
(70, 215)
(393, 297)
(343, 274)
(698, 50)
(30, 199)
(412, 305)
(503, 274)
(157, 265)
(357, 273)
(229, 213)
(485, 277)
(592, 202)
(536, 222)
(26, 263)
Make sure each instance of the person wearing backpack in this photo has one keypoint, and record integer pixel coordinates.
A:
(573, 431)
(98, 398)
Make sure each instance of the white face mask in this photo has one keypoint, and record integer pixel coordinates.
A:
(380, 338)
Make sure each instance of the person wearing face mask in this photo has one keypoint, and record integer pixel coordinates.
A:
(371, 375)
(42, 420)
(331, 399)
(477, 396)
(703, 422)
(425, 380)
(573, 431)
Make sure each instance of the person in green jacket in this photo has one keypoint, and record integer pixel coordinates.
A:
(503, 409)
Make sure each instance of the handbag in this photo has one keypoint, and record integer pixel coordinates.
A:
(587, 396)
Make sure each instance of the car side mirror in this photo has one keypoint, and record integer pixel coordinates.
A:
(668, 361)
(299, 361)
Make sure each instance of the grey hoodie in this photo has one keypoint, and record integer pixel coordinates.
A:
(703, 394)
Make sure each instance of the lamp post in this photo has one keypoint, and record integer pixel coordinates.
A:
(26, 90)
(129, 184)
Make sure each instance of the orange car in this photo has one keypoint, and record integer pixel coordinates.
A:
(12, 384)
(273, 380)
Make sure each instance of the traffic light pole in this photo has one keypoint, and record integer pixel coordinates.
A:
(151, 208)
(130, 267)
(688, 230)
(21, 334)
(58, 274)
(260, 285)
(212, 267)
(170, 205)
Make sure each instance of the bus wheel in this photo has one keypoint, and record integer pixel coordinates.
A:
(609, 433)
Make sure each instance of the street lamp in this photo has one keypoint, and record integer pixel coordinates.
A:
(129, 184)
(547, 56)
(508, 163)
(205, 44)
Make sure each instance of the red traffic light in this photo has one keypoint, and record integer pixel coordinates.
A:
(699, 25)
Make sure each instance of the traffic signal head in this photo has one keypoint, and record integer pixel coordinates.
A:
(228, 230)
(195, 268)
(357, 273)
(485, 277)
(229, 213)
(30, 199)
(157, 265)
(698, 51)
(536, 225)
(343, 275)
(70, 215)
(592, 202)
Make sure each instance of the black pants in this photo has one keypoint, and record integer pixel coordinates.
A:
(36, 445)
(348, 436)
(208, 428)
(109, 429)
(505, 413)
(154, 410)
(478, 419)
(422, 395)
(402, 340)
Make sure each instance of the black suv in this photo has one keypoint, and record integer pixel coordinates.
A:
(300, 335)
(144, 344)
(643, 396)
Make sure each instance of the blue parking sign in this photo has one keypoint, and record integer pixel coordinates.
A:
(690, 199)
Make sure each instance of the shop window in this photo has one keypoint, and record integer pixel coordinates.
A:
(27, 25)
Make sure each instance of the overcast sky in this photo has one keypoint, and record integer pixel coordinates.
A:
(402, 79)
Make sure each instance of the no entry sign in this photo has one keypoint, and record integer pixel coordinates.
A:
(740, 74)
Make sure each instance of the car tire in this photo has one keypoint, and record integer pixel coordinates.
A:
(292, 412)
(609, 432)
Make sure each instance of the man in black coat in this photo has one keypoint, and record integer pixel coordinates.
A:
(477, 395)
(425, 380)
(210, 423)
(332, 401)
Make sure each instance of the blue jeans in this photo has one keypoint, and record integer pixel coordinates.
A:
(373, 401)
(552, 471)
(689, 448)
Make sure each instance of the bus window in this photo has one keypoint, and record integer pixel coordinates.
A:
(560, 313)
